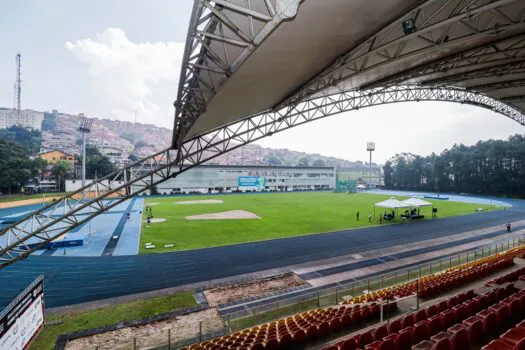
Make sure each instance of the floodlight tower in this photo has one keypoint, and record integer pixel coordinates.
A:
(84, 126)
(370, 147)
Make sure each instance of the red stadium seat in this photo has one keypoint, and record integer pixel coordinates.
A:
(448, 318)
(380, 332)
(424, 345)
(443, 306)
(420, 332)
(349, 344)
(489, 320)
(432, 310)
(513, 336)
(374, 345)
(363, 339)
(458, 337)
(421, 315)
(387, 344)
(460, 312)
(497, 345)
(394, 326)
(404, 340)
(435, 325)
(408, 320)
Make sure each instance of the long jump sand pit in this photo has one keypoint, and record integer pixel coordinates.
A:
(225, 215)
(201, 201)
(153, 335)
(232, 292)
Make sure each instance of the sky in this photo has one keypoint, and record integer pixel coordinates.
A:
(120, 59)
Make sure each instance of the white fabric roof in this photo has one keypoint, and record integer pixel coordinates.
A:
(417, 202)
(392, 203)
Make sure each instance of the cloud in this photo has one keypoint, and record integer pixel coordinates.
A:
(128, 77)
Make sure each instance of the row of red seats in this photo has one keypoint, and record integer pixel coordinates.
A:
(439, 285)
(409, 288)
(513, 339)
(474, 329)
(296, 330)
(435, 284)
(402, 333)
(510, 277)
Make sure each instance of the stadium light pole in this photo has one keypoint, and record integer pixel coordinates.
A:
(84, 126)
(370, 147)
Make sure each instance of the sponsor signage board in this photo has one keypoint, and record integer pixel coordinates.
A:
(251, 182)
(23, 319)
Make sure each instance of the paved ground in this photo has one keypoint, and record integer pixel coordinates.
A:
(71, 280)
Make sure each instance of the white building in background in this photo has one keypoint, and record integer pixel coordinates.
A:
(75, 185)
(28, 118)
(115, 155)
(220, 178)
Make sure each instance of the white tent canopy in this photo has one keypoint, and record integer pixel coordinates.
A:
(417, 202)
(392, 203)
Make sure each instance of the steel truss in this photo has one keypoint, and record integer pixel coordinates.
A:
(495, 57)
(216, 47)
(439, 26)
(56, 219)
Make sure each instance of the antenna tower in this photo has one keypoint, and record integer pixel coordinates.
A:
(18, 89)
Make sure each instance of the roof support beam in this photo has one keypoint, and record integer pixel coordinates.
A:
(498, 85)
(513, 99)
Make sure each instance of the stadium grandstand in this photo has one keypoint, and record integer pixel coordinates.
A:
(253, 68)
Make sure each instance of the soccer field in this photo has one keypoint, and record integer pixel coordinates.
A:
(281, 215)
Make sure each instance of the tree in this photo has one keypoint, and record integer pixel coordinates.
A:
(133, 157)
(38, 166)
(97, 164)
(303, 162)
(16, 168)
(387, 173)
(30, 139)
(59, 170)
(128, 136)
(489, 167)
(318, 163)
(140, 144)
(274, 161)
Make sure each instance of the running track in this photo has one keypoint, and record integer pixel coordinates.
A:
(71, 280)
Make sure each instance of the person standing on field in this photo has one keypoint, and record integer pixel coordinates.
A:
(358, 215)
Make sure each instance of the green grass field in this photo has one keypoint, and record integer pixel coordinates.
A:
(282, 215)
(77, 321)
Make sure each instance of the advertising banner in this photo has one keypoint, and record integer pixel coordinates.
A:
(22, 320)
(251, 182)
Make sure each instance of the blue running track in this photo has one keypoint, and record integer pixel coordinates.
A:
(71, 279)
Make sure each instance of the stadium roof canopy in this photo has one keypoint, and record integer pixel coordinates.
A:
(244, 57)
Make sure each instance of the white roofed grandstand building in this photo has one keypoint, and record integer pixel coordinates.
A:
(220, 178)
